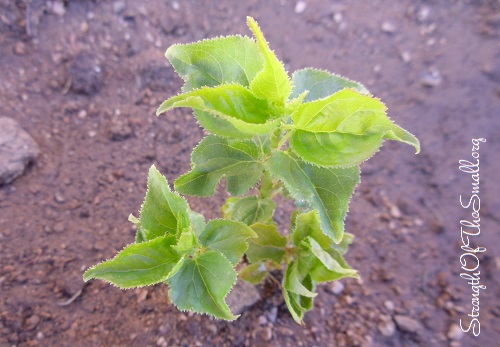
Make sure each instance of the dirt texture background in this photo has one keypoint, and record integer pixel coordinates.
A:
(84, 78)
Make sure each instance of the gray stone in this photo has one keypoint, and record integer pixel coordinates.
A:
(17, 150)
(455, 333)
(387, 326)
(242, 296)
(408, 324)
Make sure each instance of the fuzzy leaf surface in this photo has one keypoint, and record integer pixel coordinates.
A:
(272, 82)
(328, 190)
(231, 102)
(320, 84)
(343, 129)
(269, 244)
(228, 237)
(232, 59)
(253, 273)
(163, 211)
(251, 209)
(308, 224)
(202, 283)
(138, 264)
(216, 157)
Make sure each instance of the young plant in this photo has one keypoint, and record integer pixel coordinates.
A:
(303, 137)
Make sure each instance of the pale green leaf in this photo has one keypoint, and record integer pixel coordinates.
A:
(232, 59)
(228, 237)
(343, 129)
(319, 84)
(298, 304)
(163, 211)
(272, 82)
(293, 282)
(253, 273)
(327, 190)
(187, 241)
(269, 244)
(202, 283)
(308, 224)
(231, 102)
(221, 127)
(328, 268)
(216, 157)
(252, 209)
(138, 265)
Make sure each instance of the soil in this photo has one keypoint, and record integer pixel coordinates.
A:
(84, 79)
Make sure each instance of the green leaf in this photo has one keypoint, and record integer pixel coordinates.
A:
(343, 129)
(163, 211)
(251, 209)
(327, 190)
(319, 84)
(221, 127)
(228, 237)
(296, 311)
(293, 282)
(328, 268)
(138, 265)
(269, 244)
(253, 273)
(272, 82)
(197, 222)
(231, 102)
(187, 241)
(202, 284)
(232, 59)
(298, 304)
(214, 158)
(308, 224)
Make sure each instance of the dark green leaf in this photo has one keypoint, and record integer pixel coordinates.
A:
(251, 209)
(228, 237)
(327, 190)
(163, 211)
(202, 284)
(269, 244)
(138, 265)
(214, 158)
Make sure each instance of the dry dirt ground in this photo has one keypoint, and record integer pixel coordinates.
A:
(84, 78)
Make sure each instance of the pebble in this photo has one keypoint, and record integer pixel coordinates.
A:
(389, 305)
(423, 13)
(242, 296)
(388, 27)
(212, 328)
(395, 212)
(118, 6)
(300, 7)
(262, 320)
(455, 332)
(161, 342)
(32, 322)
(265, 333)
(20, 48)
(58, 8)
(387, 326)
(334, 287)
(272, 314)
(431, 78)
(408, 324)
(17, 150)
(406, 57)
(143, 294)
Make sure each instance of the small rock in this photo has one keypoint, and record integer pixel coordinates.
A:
(86, 74)
(300, 7)
(143, 294)
(212, 328)
(19, 48)
(161, 342)
(389, 305)
(58, 8)
(242, 296)
(335, 287)
(337, 17)
(59, 197)
(431, 78)
(118, 6)
(17, 150)
(272, 314)
(262, 320)
(395, 212)
(406, 57)
(388, 27)
(264, 333)
(423, 13)
(408, 324)
(387, 326)
(32, 322)
(455, 333)
(39, 335)
(175, 5)
(119, 129)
